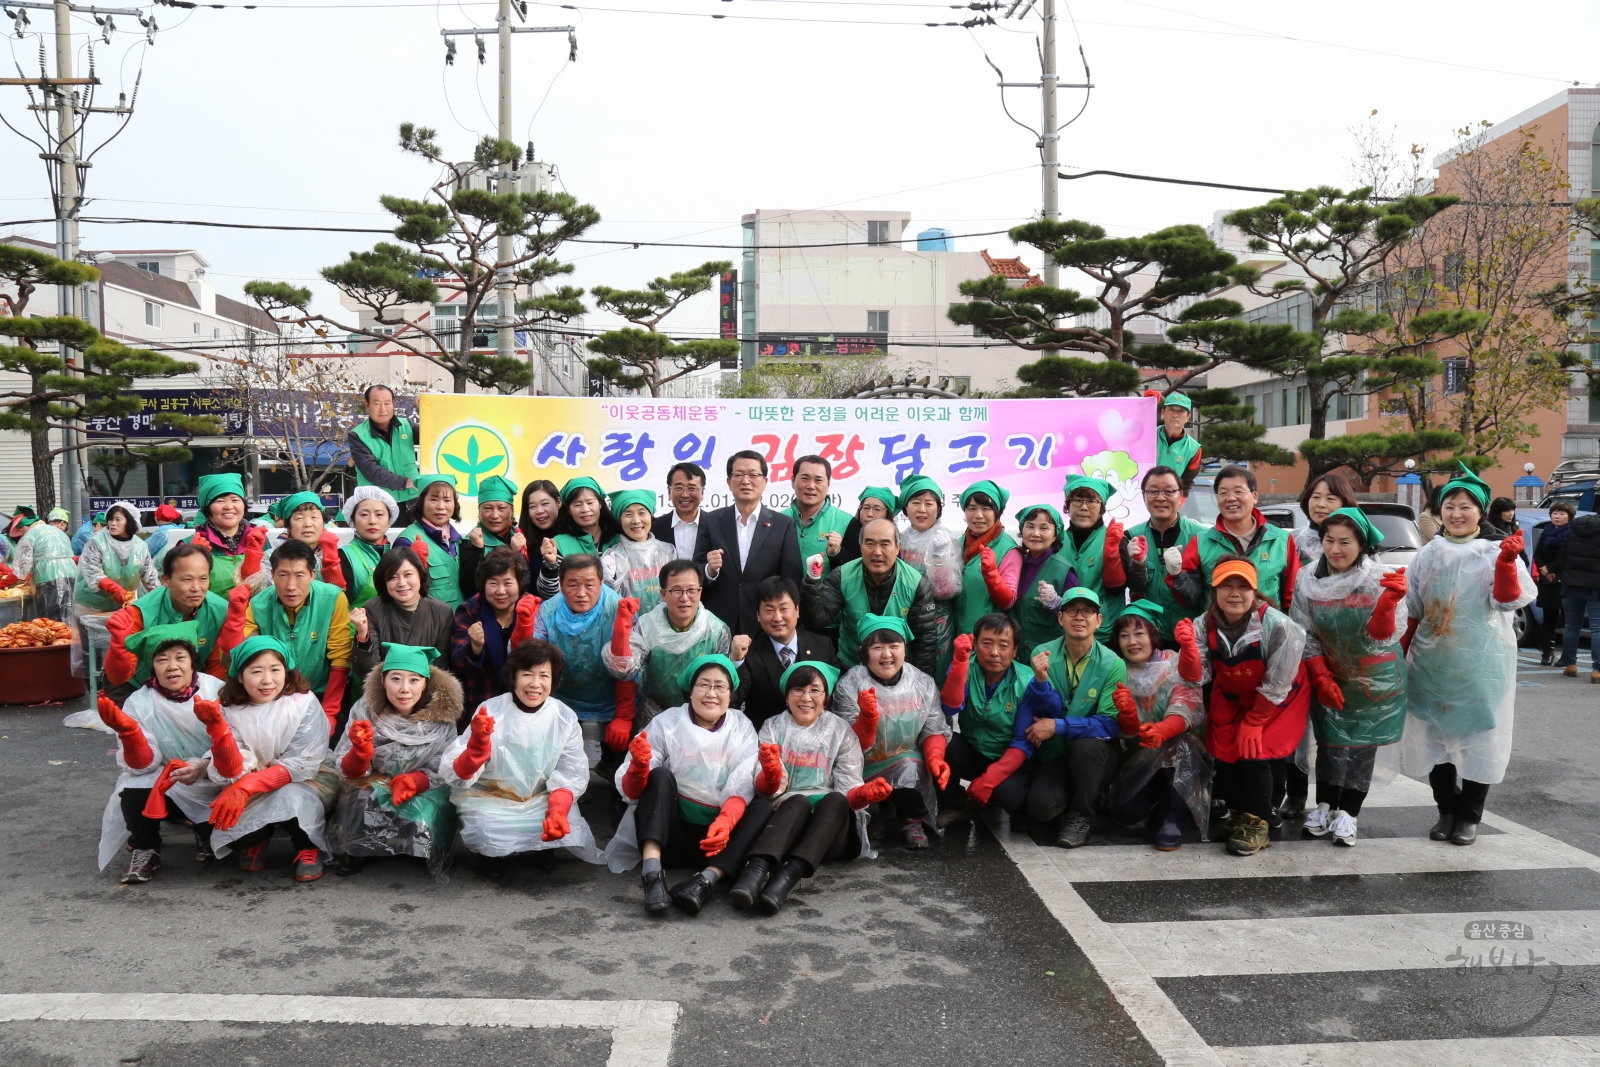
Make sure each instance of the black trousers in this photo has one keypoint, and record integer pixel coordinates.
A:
(1289, 782)
(1464, 801)
(656, 818)
(969, 764)
(1153, 800)
(1247, 785)
(909, 804)
(145, 832)
(1550, 632)
(1073, 782)
(811, 835)
(298, 840)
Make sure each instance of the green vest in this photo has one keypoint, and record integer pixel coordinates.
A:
(307, 636)
(1159, 592)
(1175, 454)
(1102, 670)
(444, 570)
(990, 723)
(973, 602)
(813, 535)
(157, 609)
(491, 541)
(363, 558)
(124, 574)
(853, 586)
(398, 454)
(1039, 624)
(1270, 558)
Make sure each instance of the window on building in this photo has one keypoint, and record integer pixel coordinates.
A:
(152, 314)
(877, 322)
(153, 266)
(1455, 270)
(196, 328)
(216, 333)
(877, 233)
(1455, 375)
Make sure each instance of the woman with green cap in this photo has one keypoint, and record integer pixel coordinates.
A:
(1353, 613)
(632, 565)
(115, 566)
(395, 801)
(1165, 776)
(44, 557)
(1092, 554)
(991, 561)
(235, 547)
(1464, 589)
(811, 773)
(929, 546)
(894, 710)
(875, 502)
(584, 526)
(497, 527)
(21, 519)
(434, 538)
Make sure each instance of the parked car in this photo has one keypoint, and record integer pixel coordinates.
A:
(1201, 503)
(1397, 523)
(1579, 493)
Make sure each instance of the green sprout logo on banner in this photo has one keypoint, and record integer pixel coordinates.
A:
(474, 451)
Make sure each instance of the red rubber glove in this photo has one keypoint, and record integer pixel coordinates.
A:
(135, 746)
(638, 775)
(1411, 629)
(866, 724)
(121, 664)
(1189, 667)
(402, 787)
(1156, 734)
(255, 542)
(1127, 710)
(873, 792)
(556, 825)
(527, 610)
(112, 590)
(225, 755)
(954, 693)
(981, 790)
(716, 838)
(1381, 626)
(333, 696)
(155, 806)
(8, 577)
(999, 592)
(1114, 574)
(1507, 583)
(1323, 684)
(332, 570)
(226, 809)
(622, 628)
(476, 754)
(1249, 740)
(358, 761)
(770, 778)
(232, 631)
(933, 747)
(420, 547)
(619, 728)
(1139, 549)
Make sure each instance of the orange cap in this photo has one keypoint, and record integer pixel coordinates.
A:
(1234, 568)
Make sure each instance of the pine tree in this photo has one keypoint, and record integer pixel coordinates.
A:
(641, 357)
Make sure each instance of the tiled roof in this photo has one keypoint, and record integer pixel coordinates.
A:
(248, 314)
(115, 272)
(1012, 268)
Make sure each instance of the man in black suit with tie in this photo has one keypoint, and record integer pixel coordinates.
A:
(780, 645)
(680, 527)
(741, 545)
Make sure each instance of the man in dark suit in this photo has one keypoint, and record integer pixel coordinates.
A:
(781, 643)
(740, 545)
(680, 527)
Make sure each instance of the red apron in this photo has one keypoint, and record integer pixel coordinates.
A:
(1233, 694)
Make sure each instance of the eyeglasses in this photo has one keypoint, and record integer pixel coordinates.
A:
(1233, 494)
(746, 476)
(1163, 492)
(716, 688)
(683, 594)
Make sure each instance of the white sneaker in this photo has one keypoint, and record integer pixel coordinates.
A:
(1318, 821)
(1344, 828)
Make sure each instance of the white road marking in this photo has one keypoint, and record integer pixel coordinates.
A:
(641, 1030)
(1327, 943)
(1480, 1052)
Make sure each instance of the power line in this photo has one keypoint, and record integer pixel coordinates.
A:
(1166, 181)
(978, 21)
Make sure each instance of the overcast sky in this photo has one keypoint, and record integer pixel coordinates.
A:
(675, 125)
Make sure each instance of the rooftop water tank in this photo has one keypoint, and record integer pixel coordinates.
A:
(935, 239)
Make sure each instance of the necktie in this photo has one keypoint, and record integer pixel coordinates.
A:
(786, 655)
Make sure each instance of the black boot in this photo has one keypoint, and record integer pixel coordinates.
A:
(780, 886)
(656, 900)
(1469, 810)
(750, 883)
(1446, 795)
(1442, 829)
(691, 893)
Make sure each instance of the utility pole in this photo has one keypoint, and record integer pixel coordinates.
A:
(1049, 139)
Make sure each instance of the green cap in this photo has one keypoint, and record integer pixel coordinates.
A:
(247, 650)
(581, 482)
(883, 494)
(422, 481)
(212, 486)
(98, 517)
(990, 490)
(830, 673)
(1471, 483)
(717, 659)
(1079, 592)
(1055, 517)
(146, 641)
(58, 515)
(293, 503)
(496, 487)
(918, 483)
(623, 499)
(1099, 486)
(1371, 536)
(1148, 610)
(871, 624)
(1177, 400)
(413, 658)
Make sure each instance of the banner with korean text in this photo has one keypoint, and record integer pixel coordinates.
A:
(1027, 446)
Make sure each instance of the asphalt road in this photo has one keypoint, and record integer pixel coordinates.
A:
(988, 949)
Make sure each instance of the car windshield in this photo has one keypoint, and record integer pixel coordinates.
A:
(1201, 506)
(1398, 531)
(1570, 496)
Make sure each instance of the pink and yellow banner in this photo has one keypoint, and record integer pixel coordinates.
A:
(1027, 446)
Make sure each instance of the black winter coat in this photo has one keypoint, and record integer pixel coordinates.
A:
(1583, 553)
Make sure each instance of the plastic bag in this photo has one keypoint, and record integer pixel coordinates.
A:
(365, 822)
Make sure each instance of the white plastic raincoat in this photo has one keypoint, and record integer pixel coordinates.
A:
(1308, 540)
(819, 759)
(936, 552)
(1335, 610)
(632, 568)
(1159, 692)
(659, 654)
(909, 713)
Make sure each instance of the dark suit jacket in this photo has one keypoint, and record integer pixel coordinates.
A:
(758, 693)
(661, 526)
(774, 549)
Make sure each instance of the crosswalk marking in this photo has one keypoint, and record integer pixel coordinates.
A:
(1479, 1052)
